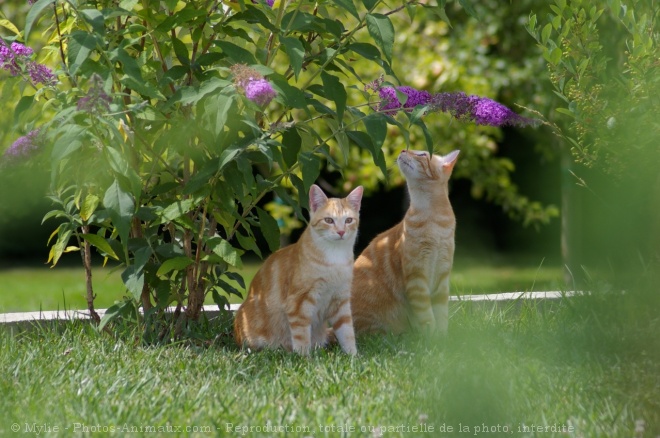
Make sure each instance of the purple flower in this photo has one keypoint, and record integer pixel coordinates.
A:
(96, 100)
(40, 74)
(389, 100)
(8, 59)
(268, 2)
(260, 92)
(480, 110)
(17, 55)
(24, 146)
(21, 50)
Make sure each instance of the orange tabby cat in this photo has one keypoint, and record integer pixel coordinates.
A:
(402, 278)
(304, 287)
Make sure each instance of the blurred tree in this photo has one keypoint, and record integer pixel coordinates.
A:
(603, 63)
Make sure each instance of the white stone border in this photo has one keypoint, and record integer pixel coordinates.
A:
(56, 315)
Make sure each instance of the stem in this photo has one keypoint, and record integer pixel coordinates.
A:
(59, 37)
(87, 263)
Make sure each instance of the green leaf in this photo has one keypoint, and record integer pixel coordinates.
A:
(128, 4)
(67, 143)
(56, 251)
(23, 105)
(133, 275)
(181, 51)
(382, 31)
(238, 278)
(566, 112)
(121, 207)
(33, 14)
(347, 5)
(133, 279)
(365, 50)
(553, 56)
(124, 309)
(193, 94)
(363, 140)
(145, 88)
(237, 53)
(269, 228)
(227, 156)
(427, 135)
(545, 33)
(174, 264)
(369, 4)
(89, 206)
(376, 125)
(291, 143)
(248, 243)
(81, 45)
(101, 244)
(221, 301)
(310, 165)
(228, 288)
(333, 87)
(177, 209)
(122, 169)
(467, 5)
(295, 51)
(10, 26)
(129, 64)
(292, 96)
(225, 251)
(95, 18)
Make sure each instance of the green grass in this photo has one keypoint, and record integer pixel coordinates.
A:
(42, 288)
(36, 288)
(591, 364)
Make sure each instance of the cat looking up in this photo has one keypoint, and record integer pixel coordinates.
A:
(402, 278)
(304, 287)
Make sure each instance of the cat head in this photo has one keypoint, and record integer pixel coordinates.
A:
(419, 166)
(335, 219)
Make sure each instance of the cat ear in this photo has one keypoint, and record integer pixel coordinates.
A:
(449, 160)
(317, 198)
(355, 198)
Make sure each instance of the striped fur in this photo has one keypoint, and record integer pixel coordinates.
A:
(303, 289)
(401, 280)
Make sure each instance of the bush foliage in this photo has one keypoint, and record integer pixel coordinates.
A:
(170, 123)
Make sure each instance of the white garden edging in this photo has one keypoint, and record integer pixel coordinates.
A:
(61, 315)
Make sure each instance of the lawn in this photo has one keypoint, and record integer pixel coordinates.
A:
(588, 366)
(39, 287)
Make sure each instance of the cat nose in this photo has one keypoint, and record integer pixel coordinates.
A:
(341, 233)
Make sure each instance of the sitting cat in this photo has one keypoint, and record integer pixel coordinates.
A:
(303, 287)
(402, 278)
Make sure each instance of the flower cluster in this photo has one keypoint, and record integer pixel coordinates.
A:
(96, 99)
(389, 100)
(24, 146)
(480, 110)
(16, 60)
(260, 91)
(255, 87)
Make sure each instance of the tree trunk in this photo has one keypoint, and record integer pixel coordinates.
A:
(571, 219)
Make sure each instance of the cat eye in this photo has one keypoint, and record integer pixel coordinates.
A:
(329, 220)
(349, 220)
